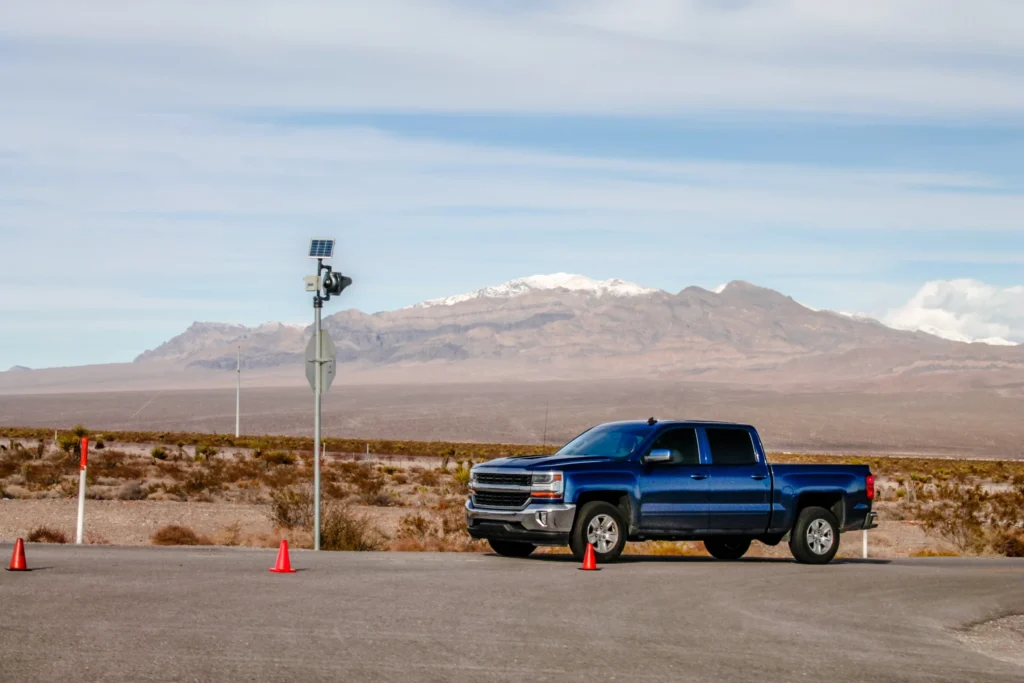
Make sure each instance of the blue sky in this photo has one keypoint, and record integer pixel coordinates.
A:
(167, 162)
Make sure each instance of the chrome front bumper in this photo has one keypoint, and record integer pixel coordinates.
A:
(537, 517)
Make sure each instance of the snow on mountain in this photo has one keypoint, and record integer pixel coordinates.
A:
(274, 326)
(960, 337)
(574, 283)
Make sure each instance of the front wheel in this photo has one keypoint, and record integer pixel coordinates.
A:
(727, 548)
(815, 537)
(512, 548)
(601, 525)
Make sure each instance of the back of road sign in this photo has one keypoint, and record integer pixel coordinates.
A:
(328, 363)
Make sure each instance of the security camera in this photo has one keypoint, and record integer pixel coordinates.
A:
(335, 283)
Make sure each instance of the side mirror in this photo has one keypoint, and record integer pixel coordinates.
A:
(659, 455)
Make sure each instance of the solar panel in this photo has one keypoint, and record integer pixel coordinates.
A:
(321, 249)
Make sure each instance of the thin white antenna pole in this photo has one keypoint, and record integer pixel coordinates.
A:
(238, 393)
(546, 404)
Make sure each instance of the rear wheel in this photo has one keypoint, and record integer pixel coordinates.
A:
(512, 548)
(815, 537)
(726, 548)
(601, 525)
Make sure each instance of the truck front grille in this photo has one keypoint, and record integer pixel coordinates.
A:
(501, 499)
(504, 479)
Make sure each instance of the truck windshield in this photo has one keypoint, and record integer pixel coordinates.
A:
(612, 441)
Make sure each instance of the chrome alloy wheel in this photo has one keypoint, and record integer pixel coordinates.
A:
(820, 537)
(602, 533)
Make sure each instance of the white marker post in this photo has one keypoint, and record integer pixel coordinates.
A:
(864, 543)
(81, 491)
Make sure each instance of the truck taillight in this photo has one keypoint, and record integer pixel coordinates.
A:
(869, 482)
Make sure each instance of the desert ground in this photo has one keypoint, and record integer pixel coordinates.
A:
(962, 424)
(191, 492)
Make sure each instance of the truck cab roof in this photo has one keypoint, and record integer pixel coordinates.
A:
(682, 423)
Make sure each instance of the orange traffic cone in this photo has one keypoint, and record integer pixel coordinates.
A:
(589, 559)
(284, 565)
(18, 563)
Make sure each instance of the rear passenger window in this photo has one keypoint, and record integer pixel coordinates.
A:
(682, 443)
(731, 447)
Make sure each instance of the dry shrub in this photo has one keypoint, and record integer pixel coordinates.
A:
(292, 507)
(45, 534)
(372, 491)
(1009, 543)
(174, 534)
(131, 490)
(341, 528)
(416, 526)
(973, 519)
(93, 538)
(201, 480)
(461, 478)
(382, 500)
(279, 458)
(11, 463)
(41, 474)
(428, 477)
(115, 465)
(447, 533)
(334, 491)
(281, 477)
(928, 552)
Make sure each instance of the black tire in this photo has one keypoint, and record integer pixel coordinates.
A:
(578, 536)
(511, 548)
(727, 547)
(801, 546)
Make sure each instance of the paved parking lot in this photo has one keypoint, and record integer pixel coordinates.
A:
(216, 614)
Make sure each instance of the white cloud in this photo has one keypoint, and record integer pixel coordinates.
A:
(964, 310)
(901, 57)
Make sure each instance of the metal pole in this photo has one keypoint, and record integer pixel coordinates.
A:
(80, 532)
(238, 394)
(317, 388)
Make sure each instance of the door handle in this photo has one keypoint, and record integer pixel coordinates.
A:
(758, 477)
(698, 477)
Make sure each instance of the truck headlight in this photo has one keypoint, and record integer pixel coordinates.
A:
(547, 485)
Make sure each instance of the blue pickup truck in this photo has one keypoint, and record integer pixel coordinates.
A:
(676, 481)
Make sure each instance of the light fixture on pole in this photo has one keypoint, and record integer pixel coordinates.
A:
(320, 354)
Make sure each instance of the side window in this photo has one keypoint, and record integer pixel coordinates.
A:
(731, 446)
(683, 445)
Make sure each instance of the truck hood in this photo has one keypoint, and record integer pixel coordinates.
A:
(547, 462)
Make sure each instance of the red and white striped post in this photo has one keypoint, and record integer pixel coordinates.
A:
(81, 490)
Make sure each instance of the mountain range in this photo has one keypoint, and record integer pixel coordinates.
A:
(572, 327)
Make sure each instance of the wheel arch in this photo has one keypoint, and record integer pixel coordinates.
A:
(832, 500)
(618, 498)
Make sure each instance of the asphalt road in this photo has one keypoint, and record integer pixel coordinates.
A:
(100, 613)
